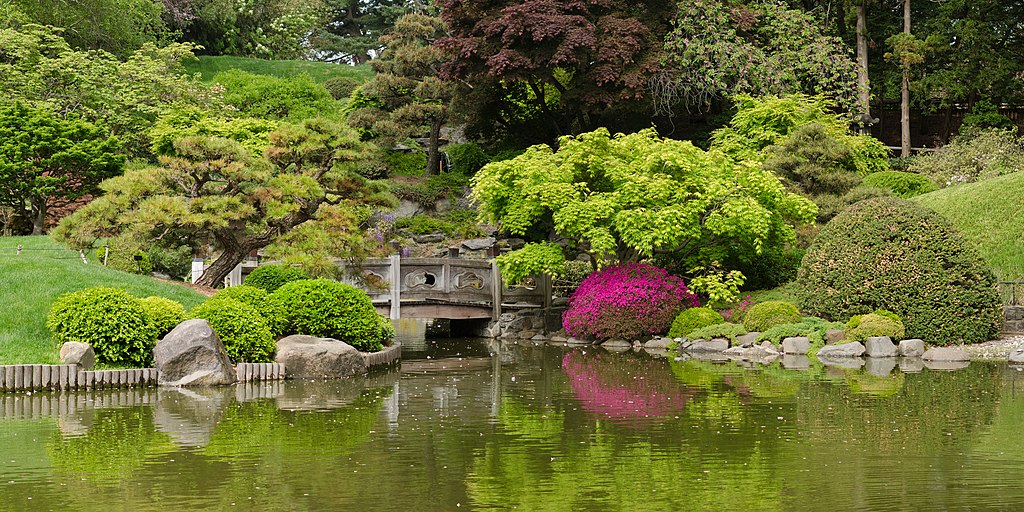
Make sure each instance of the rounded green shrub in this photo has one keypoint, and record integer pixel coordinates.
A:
(109, 319)
(879, 323)
(890, 253)
(329, 309)
(270, 308)
(272, 277)
(902, 184)
(723, 330)
(693, 318)
(240, 327)
(765, 315)
(163, 314)
(341, 86)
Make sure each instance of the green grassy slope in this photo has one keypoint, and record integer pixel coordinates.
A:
(29, 283)
(320, 71)
(990, 213)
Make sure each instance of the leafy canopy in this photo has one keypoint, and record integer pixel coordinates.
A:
(631, 196)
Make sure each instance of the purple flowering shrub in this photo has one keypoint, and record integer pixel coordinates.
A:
(626, 301)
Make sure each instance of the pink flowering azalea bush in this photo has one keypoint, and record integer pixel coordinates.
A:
(626, 301)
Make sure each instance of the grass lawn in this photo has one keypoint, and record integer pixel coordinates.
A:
(29, 283)
(991, 214)
(319, 71)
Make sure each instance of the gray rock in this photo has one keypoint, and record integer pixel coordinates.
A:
(769, 346)
(795, 362)
(748, 339)
(715, 345)
(1016, 355)
(854, 349)
(478, 244)
(879, 346)
(796, 345)
(539, 337)
(842, 363)
(945, 354)
(658, 343)
(577, 341)
(754, 354)
(617, 343)
(559, 339)
(432, 238)
(911, 348)
(834, 336)
(192, 355)
(309, 357)
(945, 366)
(525, 335)
(82, 354)
(516, 243)
(911, 364)
(880, 366)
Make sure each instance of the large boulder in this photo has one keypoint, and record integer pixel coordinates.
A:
(192, 355)
(796, 345)
(945, 354)
(853, 349)
(911, 348)
(309, 357)
(76, 352)
(1017, 355)
(880, 346)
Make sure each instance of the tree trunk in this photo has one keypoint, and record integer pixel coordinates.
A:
(905, 98)
(863, 86)
(433, 153)
(39, 210)
(232, 255)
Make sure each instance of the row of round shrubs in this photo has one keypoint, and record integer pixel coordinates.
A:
(123, 329)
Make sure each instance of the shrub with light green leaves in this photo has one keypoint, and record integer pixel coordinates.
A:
(272, 277)
(879, 323)
(891, 253)
(902, 184)
(329, 309)
(692, 319)
(765, 315)
(109, 319)
(163, 314)
(240, 327)
(272, 311)
(969, 158)
(812, 327)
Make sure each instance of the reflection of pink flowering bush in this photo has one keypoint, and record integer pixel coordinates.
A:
(625, 389)
(626, 301)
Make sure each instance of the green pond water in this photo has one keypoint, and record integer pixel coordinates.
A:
(481, 425)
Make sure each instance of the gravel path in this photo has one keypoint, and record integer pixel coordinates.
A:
(996, 349)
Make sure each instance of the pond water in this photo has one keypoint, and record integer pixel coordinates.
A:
(478, 425)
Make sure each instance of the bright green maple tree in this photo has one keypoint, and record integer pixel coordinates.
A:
(630, 197)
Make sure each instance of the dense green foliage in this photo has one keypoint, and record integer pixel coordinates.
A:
(258, 298)
(454, 224)
(629, 196)
(532, 259)
(325, 308)
(902, 184)
(52, 160)
(253, 134)
(878, 323)
(163, 314)
(692, 319)
(241, 328)
(988, 214)
(124, 255)
(891, 254)
(967, 159)
(466, 159)
(267, 97)
(813, 328)
(109, 319)
(765, 315)
(341, 87)
(272, 277)
(728, 331)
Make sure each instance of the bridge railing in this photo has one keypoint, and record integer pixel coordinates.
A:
(443, 280)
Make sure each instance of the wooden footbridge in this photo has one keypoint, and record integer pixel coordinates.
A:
(452, 288)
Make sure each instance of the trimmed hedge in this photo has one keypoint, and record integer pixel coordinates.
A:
(879, 323)
(109, 319)
(765, 315)
(693, 319)
(890, 253)
(240, 327)
(329, 309)
(163, 314)
(271, 309)
(272, 277)
(902, 184)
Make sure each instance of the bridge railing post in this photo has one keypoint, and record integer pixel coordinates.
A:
(396, 286)
(496, 286)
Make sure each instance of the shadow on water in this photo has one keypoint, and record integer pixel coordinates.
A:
(482, 425)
